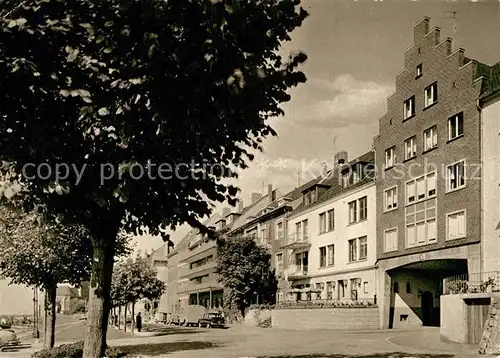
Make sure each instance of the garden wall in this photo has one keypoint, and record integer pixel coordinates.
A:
(359, 318)
(257, 317)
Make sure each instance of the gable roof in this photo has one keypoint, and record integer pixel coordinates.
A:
(66, 291)
(336, 188)
(491, 82)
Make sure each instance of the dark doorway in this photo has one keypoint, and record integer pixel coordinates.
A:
(427, 309)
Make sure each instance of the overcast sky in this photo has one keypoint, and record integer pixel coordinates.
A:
(355, 49)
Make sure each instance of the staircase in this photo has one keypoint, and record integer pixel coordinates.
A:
(490, 341)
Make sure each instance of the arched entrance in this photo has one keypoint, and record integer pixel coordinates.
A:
(427, 304)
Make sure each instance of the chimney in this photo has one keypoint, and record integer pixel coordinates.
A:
(226, 212)
(324, 168)
(270, 192)
(421, 29)
(340, 158)
(255, 197)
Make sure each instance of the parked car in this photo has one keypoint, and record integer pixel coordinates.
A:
(8, 338)
(211, 320)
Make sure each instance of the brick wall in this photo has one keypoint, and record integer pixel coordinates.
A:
(458, 91)
(327, 318)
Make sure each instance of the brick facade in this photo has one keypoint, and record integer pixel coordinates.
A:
(458, 90)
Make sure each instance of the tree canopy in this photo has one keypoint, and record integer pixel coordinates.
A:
(127, 113)
(243, 268)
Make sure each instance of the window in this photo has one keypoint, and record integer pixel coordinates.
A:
(365, 287)
(390, 157)
(456, 126)
(430, 138)
(279, 230)
(298, 230)
(409, 107)
(331, 255)
(431, 94)
(391, 240)
(331, 219)
(322, 223)
(322, 256)
(353, 212)
(363, 208)
(456, 225)
(358, 210)
(410, 192)
(330, 286)
(353, 254)
(421, 188)
(411, 148)
(279, 260)
(421, 223)
(419, 70)
(456, 175)
(363, 248)
(305, 229)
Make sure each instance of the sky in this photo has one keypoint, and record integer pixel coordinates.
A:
(355, 49)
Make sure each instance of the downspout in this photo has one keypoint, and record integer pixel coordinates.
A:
(481, 189)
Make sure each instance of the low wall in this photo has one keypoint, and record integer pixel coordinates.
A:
(327, 318)
(257, 317)
(455, 323)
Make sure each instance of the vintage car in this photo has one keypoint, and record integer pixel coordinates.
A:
(8, 338)
(211, 320)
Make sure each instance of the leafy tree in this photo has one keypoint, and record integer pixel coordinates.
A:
(243, 268)
(181, 90)
(135, 280)
(39, 255)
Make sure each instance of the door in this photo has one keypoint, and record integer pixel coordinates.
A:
(477, 314)
(427, 308)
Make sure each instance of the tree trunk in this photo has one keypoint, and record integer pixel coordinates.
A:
(125, 323)
(49, 338)
(99, 297)
(133, 317)
(119, 315)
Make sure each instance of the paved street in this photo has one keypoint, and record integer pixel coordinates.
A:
(256, 342)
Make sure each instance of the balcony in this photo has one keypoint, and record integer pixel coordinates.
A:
(206, 285)
(296, 272)
(295, 242)
(199, 271)
(198, 252)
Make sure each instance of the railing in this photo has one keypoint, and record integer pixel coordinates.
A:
(361, 303)
(210, 266)
(296, 240)
(187, 255)
(294, 270)
(472, 283)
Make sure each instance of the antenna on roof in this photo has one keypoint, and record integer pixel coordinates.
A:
(334, 140)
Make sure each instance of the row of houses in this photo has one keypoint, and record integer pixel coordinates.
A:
(389, 226)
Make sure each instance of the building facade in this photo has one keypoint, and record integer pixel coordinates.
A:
(332, 236)
(429, 187)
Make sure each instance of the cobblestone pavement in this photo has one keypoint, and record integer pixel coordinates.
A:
(253, 342)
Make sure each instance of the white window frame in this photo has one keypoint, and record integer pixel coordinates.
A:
(322, 222)
(464, 211)
(390, 160)
(355, 258)
(397, 239)
(325, 261)
(425, 220)
(359, 248)
(328, 228)
(409, 108)
(433, 92)
(353, 218)
(434, 139)
(427, 196)
(455, 118)
(278, 237)
(394, 200)
(449, 189)
(330, 258)
(410, 144)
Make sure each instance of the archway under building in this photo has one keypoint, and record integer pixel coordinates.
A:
(416, 289)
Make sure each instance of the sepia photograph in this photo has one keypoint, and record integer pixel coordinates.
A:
(249, 178)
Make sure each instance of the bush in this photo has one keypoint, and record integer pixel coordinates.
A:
(76, 306)
(75, 350)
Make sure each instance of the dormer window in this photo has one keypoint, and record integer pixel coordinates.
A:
(309, 197)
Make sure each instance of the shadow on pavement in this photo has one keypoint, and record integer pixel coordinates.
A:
(166, 331)
(375, 355)
(162, 348)
(15, 348)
